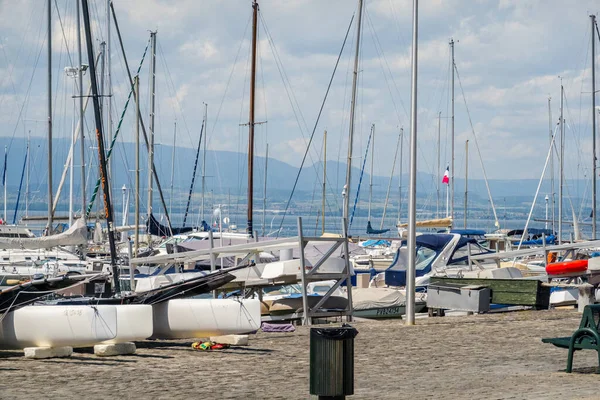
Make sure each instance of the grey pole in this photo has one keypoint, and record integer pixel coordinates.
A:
(452, 139)
(109, 133)
(561, 165)
(264, 214)
(551, 165)
(136, 237)
(439, 166)
(50, 198)
(173, 165)
(412, 196)
(152, 126)
(466, 180)
(400, 174)
(81, 127)
(593, 20)
(371, 174)
(204, 158)
(352, 111)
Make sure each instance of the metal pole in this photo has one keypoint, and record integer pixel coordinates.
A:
(131, 267)
(561, 165)
(173, 167)
(466, 180)
(249, 227)
(352, 112)
(551, 166)
(265, 192)
(124, 207)
(27, 177)
(71, 166)
(387, 195)
(546, 224)
(204, 158)
(50, 199)
(4, 184)
(594, 200)
(306, 319)
(136, 236)
(452, 138)
(152, 126)
(109, 133)
(324, 181)
(371, 174)
(81, 125)
(400, 174)
(439, 166)
(412, 197)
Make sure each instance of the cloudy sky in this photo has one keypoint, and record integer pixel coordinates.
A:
(509, 56)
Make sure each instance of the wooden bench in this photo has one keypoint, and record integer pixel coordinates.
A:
(584, 338)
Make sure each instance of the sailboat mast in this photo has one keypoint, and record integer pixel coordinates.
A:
(466, 180)
(109, 89)
(452, 137)
(352, 111)
(27, 175)
(324, 182)
(561, 165)
(437, 203)
(593, 20)
(204, 159)
(551, 165)
(264, 213)
(4, 184)
(400, 174)
(49, 227)
(387, 195)
(101, 153)
(81, 127)
(136, 236)
(173, 165)
(152, 113)
(249, 227)
(371, 174)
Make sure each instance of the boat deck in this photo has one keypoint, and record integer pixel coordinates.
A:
(489, 356)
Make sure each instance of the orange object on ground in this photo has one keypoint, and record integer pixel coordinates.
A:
(567, 267)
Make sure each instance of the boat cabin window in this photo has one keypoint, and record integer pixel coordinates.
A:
(461, 255)
(425, 256)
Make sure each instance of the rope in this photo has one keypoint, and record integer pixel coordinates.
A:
(362, 172)
(314, 129)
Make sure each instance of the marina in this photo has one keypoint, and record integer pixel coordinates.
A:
(227, 252)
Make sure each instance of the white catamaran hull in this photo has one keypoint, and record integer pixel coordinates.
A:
(200, 318)
(57, 326)
(134, 322)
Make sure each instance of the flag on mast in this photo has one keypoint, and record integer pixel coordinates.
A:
(446, 178)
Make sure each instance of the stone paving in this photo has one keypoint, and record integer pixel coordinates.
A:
(494, 356)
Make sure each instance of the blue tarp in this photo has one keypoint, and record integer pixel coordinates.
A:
(373, 243)
(468, 232)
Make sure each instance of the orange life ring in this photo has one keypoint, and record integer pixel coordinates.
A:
(567, 267)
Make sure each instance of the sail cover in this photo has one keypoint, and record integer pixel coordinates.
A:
(157, 229)
(372, 231)
(75, 235)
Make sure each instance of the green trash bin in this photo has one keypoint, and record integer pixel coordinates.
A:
(332, 361)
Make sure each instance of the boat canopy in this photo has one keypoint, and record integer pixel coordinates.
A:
(468, 232)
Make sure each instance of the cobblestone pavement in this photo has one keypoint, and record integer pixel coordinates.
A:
(495, 356)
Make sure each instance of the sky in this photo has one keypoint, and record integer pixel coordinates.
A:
(510, 58)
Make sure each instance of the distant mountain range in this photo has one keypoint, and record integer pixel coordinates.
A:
(226, 172)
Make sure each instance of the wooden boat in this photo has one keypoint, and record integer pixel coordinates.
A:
(56, 326)
(201, 318)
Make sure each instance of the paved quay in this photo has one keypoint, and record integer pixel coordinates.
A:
(493, 356)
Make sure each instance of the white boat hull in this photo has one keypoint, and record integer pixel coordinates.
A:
(57, 326)
(200, 318)
(134, 322)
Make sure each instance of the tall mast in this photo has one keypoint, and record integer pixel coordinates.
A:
(561, 165)
(324, 182)
(49, 227)
(173, 166)
(437, 203)
(152, 113)
(371, 174)
(249, 227)
(81, 127)
(352, 111)
(109, 88)
(466, 180)
(412, 191)
(551, 166)
(5, 218)
(71, 161)
(264, 216)
(27, 176)
(204, 158)
(387, 195)
(136, 236)
(452, 137)
(593, 20)
(400, 174)
(101, 153)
